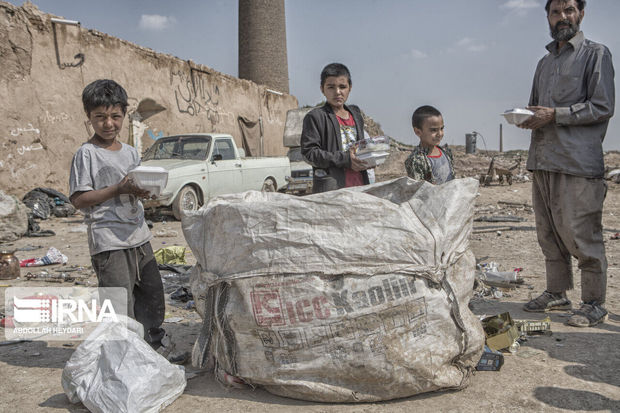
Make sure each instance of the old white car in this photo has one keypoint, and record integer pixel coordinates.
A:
(203, 165)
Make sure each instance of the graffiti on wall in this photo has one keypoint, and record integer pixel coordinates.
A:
(195, 96)
(55, 117)
(20, 131)
(11, 148)
(154, 136)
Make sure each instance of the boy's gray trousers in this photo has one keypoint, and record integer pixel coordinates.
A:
(136, 270)
(569, 213)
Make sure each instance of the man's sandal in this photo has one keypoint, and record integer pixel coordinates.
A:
(590, 314)
(548, 302)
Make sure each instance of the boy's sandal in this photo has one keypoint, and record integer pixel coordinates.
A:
(589, 315)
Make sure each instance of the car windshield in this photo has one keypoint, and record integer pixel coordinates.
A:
(179, 147)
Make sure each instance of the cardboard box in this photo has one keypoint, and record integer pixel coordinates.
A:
(500, 331)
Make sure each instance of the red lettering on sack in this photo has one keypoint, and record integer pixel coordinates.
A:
(321, 311)
(267, 308)
(301, 314)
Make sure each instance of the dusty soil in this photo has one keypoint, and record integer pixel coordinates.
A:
(573, 369)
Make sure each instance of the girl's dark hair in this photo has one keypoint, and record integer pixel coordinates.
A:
(104, 92)
(335, 69)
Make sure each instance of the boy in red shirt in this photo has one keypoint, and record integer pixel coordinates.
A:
(329, 132)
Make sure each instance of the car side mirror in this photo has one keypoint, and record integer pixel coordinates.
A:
(241, 152)
(216, 157)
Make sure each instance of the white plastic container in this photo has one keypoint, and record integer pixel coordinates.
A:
(150, 178)
(373, 150)
(374, 158)
(517, 116)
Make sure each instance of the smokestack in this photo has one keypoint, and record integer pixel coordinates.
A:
(262, 43)
(501, 138)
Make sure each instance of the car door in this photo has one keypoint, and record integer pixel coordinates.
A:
(225, 174)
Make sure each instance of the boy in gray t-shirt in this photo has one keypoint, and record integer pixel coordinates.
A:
(118, 237)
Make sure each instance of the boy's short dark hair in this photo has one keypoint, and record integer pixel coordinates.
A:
(581, 4)
(421, 114)
(335, 69)
(104, 92)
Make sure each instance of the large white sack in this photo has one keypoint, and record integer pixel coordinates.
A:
(352, 295)
(115, 371)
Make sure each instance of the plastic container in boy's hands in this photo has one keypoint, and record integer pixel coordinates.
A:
(150, 178)
(373, 150)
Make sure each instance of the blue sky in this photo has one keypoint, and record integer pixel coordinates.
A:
(472, 59)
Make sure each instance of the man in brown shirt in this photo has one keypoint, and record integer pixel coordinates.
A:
(572, 98)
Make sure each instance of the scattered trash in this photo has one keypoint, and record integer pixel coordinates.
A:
(173, 320)
(34, 230)
(182, 294)
(71, 268)
(9, 265)
(176, 268)
(501, 331)
(493, 228)
(491, 360)
(171, 255)
(53, 256)
(29, 248)
(615, 236)
(514, 347)
(11, 342)
(534, 327)
(193, 374)
(173, 277)
(191, 304)
(46, 276)
(499, 218)
(229, 380)
(47, 201)
(491, 276)
(7, 322)
(166, 233)
(102, 372)
(80, 229)
(614, 175)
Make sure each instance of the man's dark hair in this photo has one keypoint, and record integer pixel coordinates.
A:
(335, 69)
(104, 92)
(421, 114)
(581, 4)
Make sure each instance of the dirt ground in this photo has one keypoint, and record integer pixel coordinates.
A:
(571, 370)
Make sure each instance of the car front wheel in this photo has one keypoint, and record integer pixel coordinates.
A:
(186, 200)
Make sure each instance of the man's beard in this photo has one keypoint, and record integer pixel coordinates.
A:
(565, 33)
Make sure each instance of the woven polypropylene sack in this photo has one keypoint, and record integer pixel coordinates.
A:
(352, 295)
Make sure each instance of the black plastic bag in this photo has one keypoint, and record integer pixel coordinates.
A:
(39, 203)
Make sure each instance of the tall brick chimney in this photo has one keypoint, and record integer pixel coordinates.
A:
(262, 43)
